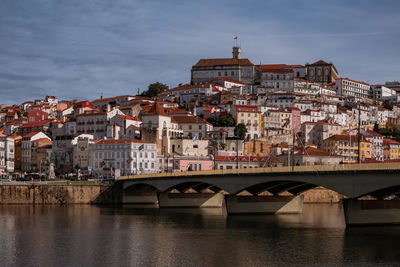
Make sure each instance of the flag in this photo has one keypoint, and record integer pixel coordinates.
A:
(141, 147)
(195, 138)
(102, 164)
(235, 38)
(129, 160)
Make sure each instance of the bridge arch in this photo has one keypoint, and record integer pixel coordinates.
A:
(385, 192)
(197, 186)
(140, 188)
(277, 187)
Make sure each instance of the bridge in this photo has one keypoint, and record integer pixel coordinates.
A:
(274, 189)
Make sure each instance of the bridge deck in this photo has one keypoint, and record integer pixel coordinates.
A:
(295, 169)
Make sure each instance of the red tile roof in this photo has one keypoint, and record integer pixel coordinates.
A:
(156, 109)
(122, 141)
(189, 119)
(270, 159)
(128, 117)
(347, 79)
(31, 134)
(230, 80)
(246, 108)
(223, 62)
(110, 98)
(275, 68)
(390, 141)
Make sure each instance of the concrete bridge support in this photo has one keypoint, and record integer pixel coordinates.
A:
(141, 200)
(369, 212)
(264, 204)
(190, 200)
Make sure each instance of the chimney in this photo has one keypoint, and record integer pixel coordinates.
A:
(236, 52)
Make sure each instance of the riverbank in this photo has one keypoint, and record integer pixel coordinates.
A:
(62, 194)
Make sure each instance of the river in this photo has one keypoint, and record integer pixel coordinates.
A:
(83, 235)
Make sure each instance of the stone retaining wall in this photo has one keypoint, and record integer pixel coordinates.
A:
(59, 194)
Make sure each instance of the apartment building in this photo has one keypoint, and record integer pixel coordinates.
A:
(350, 88)
(124, 157)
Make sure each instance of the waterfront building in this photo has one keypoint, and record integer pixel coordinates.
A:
(391, 149)
(126, 156)
(183, 164)
(82, 154)
(308, 156)
(377, 143)
(243, 162)
(41, 151)
(26, 159)
(346, 146)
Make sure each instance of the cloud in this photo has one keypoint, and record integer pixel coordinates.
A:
(78, 49)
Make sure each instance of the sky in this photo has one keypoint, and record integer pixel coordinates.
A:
(79, 49)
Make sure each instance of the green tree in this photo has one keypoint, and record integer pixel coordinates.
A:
(376, 127)
(240, 131)
(226, 121)
(212, 120)
(154, 89)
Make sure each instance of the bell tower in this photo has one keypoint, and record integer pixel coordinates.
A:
(236, 52)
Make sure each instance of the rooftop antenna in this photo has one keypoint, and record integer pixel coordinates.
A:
(101, 95)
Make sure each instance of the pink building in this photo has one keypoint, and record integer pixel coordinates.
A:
(296, 122)
(192, 164)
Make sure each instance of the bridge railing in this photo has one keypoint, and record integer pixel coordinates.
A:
(286, 169)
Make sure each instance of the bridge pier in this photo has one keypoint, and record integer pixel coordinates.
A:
(264, 204)
(364, 212)
(190, 200)
(141, 200)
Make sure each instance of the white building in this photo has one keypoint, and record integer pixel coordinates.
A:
(383, 93)
(129, 156)
(95, 123)
(356, 89)
(27, 149)
(237, 68)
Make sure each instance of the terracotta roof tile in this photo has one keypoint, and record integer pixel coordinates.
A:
(223, 62)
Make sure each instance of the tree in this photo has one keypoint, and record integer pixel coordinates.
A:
(240, 131)
(212, 120)
(154, 89)
(376, 127)
(226, 121)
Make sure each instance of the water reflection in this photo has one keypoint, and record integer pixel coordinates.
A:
(108, 236)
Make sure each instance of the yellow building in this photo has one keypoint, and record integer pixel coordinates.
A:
(347, 147)
(257, 148)
(391, 149)
(250, 116)
(285, 118)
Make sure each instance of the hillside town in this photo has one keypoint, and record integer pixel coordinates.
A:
(232, 114)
